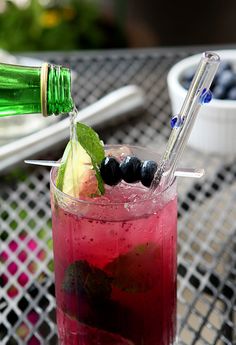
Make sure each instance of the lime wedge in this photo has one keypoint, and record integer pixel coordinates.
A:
(76, 176)
(79, 174)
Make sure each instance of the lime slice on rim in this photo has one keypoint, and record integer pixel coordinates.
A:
(78, 174)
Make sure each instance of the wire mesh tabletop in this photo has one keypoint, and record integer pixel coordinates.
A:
(207, 213)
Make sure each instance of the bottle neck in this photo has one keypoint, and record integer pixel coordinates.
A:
(55, 90)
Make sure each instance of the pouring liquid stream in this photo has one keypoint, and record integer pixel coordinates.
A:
(73, 139)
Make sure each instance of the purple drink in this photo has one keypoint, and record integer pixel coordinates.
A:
(115, 266)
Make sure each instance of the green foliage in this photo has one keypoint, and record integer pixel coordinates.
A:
(75, 25)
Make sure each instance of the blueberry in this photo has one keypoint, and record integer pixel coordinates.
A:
(148, 170)
(232, 94)
(224, 66)
(224, 81)
(186, 84)
(227, 79)
(130, 169)
(110, 171)
(219, 92)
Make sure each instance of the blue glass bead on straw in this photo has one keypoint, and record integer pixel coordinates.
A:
(176, 121)
(206, 96)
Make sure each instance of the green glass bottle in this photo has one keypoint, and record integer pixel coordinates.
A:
(29, 90)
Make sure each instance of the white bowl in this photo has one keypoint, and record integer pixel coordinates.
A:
(215, 128)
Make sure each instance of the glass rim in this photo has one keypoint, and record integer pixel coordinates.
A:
(152, 196)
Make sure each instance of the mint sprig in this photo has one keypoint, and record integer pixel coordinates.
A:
(92, 144)
(92, 287)
(88, 280)
(135, 271)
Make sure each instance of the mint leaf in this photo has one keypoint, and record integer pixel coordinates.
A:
(136, 270)
(92, 144)
(87, 280)
(88, 299)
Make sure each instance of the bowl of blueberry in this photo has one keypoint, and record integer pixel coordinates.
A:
(215, 127)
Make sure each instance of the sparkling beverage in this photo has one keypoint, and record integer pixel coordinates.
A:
(115, 266)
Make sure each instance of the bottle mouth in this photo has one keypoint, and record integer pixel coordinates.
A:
(55, 90)
(43, 86)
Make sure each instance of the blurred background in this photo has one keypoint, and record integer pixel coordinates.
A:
(102, 24)
(206, 217)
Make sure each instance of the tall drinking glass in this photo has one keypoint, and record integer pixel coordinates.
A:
(115, 264)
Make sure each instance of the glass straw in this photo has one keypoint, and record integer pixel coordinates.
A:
(197, 94)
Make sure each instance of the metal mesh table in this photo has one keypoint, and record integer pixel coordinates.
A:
(207, 213)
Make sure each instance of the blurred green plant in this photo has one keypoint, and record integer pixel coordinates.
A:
(74, 25)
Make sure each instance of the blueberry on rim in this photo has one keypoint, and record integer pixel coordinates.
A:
(110, 171)
(130, 169)
(148, 170)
